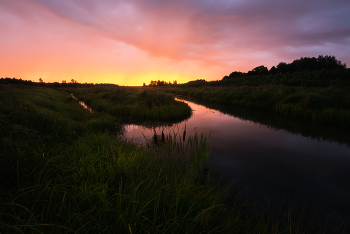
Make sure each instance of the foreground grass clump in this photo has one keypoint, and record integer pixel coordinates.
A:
(134, 104)
(63, 170)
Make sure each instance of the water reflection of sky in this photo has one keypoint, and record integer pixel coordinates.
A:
(267, 160)
(82, 103)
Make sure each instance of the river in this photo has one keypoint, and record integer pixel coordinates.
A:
(270, 155)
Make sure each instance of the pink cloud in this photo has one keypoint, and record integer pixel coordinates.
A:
(231, 34)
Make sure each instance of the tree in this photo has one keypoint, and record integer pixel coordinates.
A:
(305, 64)
(273, 70)
(261, 70)
(235, 74)
(64, 81)
(41, 80)
(282, 67)
(330, 62)
(160, 83)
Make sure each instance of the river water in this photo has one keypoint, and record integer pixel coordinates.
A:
(270, 155)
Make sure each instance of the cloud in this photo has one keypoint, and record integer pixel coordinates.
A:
(227, 33)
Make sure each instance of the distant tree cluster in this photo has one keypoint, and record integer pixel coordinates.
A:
(17, 81)
(196, 83)
(41, 83)
(160, 83)
(303, 64)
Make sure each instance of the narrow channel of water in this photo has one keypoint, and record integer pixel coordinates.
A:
(82, 103)
(271, 155)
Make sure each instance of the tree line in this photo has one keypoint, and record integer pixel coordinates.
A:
(160, 83)
(327, 62)
(72, 83)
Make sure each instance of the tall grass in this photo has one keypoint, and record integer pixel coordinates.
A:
(134, 104)
(64, 173)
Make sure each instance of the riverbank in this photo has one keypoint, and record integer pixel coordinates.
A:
(132, 104)
(63, 169)
(320, 97)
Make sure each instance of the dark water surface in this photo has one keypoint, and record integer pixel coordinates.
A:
(271, 155)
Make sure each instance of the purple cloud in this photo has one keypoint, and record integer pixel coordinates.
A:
(218, 32)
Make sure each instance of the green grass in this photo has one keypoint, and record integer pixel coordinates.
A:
(63, 170)
(134, 104)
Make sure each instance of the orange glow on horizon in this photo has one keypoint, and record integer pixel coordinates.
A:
(54, 48)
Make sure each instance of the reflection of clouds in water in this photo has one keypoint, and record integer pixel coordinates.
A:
(226, 130)
(142, 134)
(265, 157)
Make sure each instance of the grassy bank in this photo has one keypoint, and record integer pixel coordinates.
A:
(134, 104)
(312, 102)
(63, 170)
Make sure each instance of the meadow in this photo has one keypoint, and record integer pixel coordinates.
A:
(65, 170)
(319, 97)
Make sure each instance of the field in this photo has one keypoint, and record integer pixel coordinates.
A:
(65, 170)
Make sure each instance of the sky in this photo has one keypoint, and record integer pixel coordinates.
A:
(131, 42)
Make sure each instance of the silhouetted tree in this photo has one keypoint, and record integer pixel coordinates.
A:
(273, 70)
(160, 83)
(330, 62)
(41, 80)
(310, 64)
(303, 64)
(235, 74)
(282, 67)
(261, 70)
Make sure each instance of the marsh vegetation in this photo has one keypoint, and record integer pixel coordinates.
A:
(134, 104)
(318, 97)
(64, 170)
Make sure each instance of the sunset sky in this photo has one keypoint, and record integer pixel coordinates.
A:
(128, 42)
